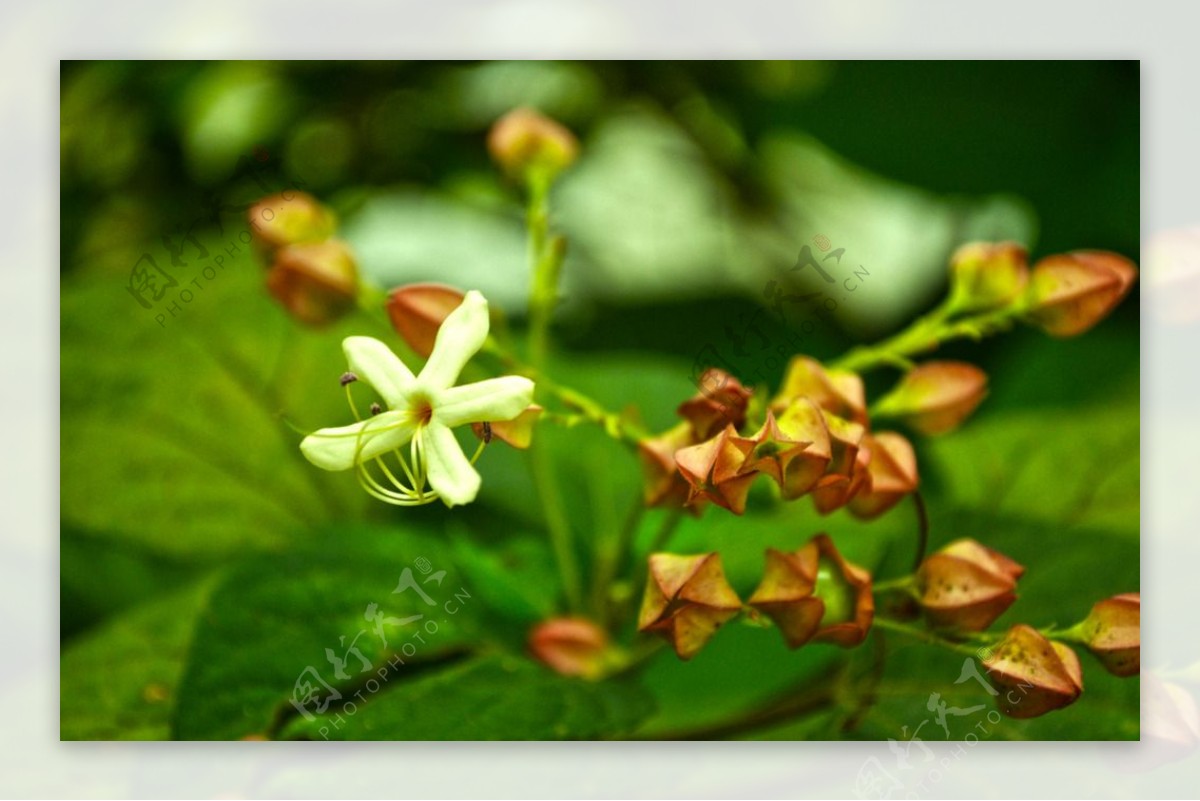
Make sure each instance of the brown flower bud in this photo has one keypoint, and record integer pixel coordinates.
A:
(986, 275)
(1112, 632)
(278, 221)
(935, 397)
(417, 312)
(663, 484)
(848, 471)
(517, 432)
(524, 142)
(966, 586)
(893, 471)
(316, 282)
(1033, 674)
(721, 401)
(803, 421)
(836, 391)
(814, 595)
(1070, 293)
(687, 599)
(713, 471)
(571, 646)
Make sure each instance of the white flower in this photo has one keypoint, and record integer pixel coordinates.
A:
(421, 411)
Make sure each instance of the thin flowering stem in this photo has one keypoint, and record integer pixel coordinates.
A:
(544, 263)
(924, 635)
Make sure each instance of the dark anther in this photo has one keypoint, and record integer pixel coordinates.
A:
(376, 408)
(487, 433)
(348, 378)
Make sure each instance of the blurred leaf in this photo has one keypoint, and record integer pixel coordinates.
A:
(120, 681)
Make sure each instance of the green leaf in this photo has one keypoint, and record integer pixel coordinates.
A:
(277, 622)
(119, 682)
(491, 697)
(175, 437)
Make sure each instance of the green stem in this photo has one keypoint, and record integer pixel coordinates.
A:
(609, 561)
(922, 529)
(666, 530)
(925, 636)
(903, 583)
(544, 263)
(926, 334)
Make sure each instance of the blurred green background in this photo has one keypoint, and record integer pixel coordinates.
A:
(698, 184)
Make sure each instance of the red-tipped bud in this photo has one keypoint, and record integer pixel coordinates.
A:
(687, 599)
(524, 142)
(1112, 632)
(893, 471)
(1033, 674)
(966, 586)
(278, 222)
(316, 282)
(417, 312)
(571, 646)
(986, 275)
(814, 595)
(935, 397)
(721, 402)
(836, 391)
(1070, 293)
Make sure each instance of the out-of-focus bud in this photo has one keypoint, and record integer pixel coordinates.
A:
(814, 595)
(278, 221)
(316, 282)
(987, 275)
(770, 450)
(935, 397)
(1033, 675)
(1112, 632)
(571, 646)
(720, 402)
(662, 483)
(966, 586)
(517, 432)
(713, 471)
(417, 312)
(1070, 293)
(893, 470)
(524, 142)
(848, 471)
(687, 599)
(836, 391)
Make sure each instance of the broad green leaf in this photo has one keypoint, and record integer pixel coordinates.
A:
(492, 697)
(347, 604)
(120, 681)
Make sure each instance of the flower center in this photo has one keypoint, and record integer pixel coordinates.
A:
(422, 410)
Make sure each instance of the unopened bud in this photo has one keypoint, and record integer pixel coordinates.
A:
(278, 221)
(687, 599)
(524, 142)
(985, 275)
(1033, 674)
(966, 586)
(571, 646)
(1070, 293)
(1112, 632)
(417, 312)
(935, 397)
(316, 282)
(893, 471)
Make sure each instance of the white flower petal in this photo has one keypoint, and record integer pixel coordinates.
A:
(487, 401)
(460, 337)
(339, 448)
(449, 471)
(375, 363)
